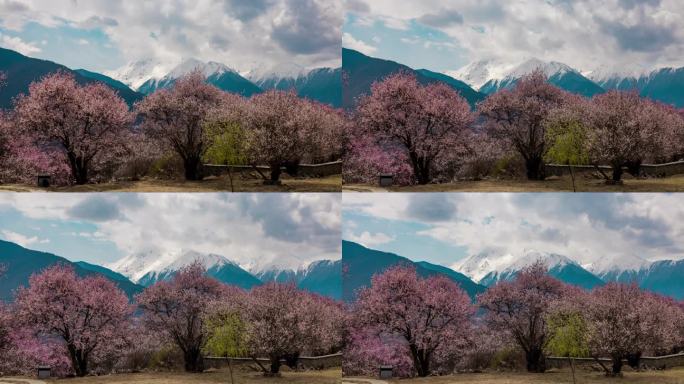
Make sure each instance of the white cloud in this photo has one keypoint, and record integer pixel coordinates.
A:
(590, 228)
(242, 34)
(348, 41)
(17, 44)
(254, 230)
(22, 240)
(584, 34)
(370, 240)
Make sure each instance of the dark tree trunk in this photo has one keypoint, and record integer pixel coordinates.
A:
(193, 360)
(79, 168)
(275, 366)
(617, 173)
(617, 366)
(421, 168)
(634, 168)
(535, 360)
(191, 166)
(275, 175)
(534, 167)
(79, 360)
(421, 361)
(292, 360)
(292, 168)
(634, 360)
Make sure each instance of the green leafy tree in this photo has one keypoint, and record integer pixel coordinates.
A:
(566, 134)
(568, 336)
(227, 335)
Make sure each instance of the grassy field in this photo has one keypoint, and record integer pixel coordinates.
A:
(671, 376)
(325, 184)
(552, 184)
(330, 376)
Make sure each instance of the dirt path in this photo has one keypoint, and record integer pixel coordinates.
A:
(552, 184)
(221, 184)
(19, 380)
(361, 380)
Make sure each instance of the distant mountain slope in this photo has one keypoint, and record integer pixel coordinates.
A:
(663, 277)
(321, 84)
(22, 263)
(665, 84)
(488, 269)
(216, 74)
(559, 74)
(22, 71)
(323, 277)
(361, 263)
(147, 269)
(126, 93)
(361, 71)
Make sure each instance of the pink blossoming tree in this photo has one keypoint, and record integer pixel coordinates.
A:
(428, 123)
(517, 117)
(277, 314)
(283, 129)
(429, 315)
(518, 308)
(176, 309)
(90, 315)
(176, 117)
(86, 124)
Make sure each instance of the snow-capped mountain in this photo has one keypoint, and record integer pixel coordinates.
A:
(262, 73)
(478, 73)
(148, 268)
(488, 268)
(220, 75)
(606, 74)
(559, 74)
(322, 276)
(321, 84)
(663, 84)
(135, 74)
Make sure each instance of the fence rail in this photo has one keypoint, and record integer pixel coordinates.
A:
(306, 362)
(309, 170)
(654, 362)
(654, 170)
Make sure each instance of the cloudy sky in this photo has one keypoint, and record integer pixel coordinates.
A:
(287, 230)
(443, 228)
(445, 35)
(104, 35)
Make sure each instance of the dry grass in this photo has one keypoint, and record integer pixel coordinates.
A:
(220, 184)
(552, 184)
(670, 376)
(330, 376)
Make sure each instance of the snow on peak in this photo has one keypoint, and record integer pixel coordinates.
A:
(136, 73)
(477, 73)
(282, 71)
(605, 73)
(135, 266)
(623, 262)
(208, 69)
(549, 68)
(480, 265)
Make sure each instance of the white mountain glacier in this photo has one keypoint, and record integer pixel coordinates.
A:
(604, 73)
(477, 73)
(482, 265)
(135, 74)
(137, 266)
(263, 73)
(606, 264)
